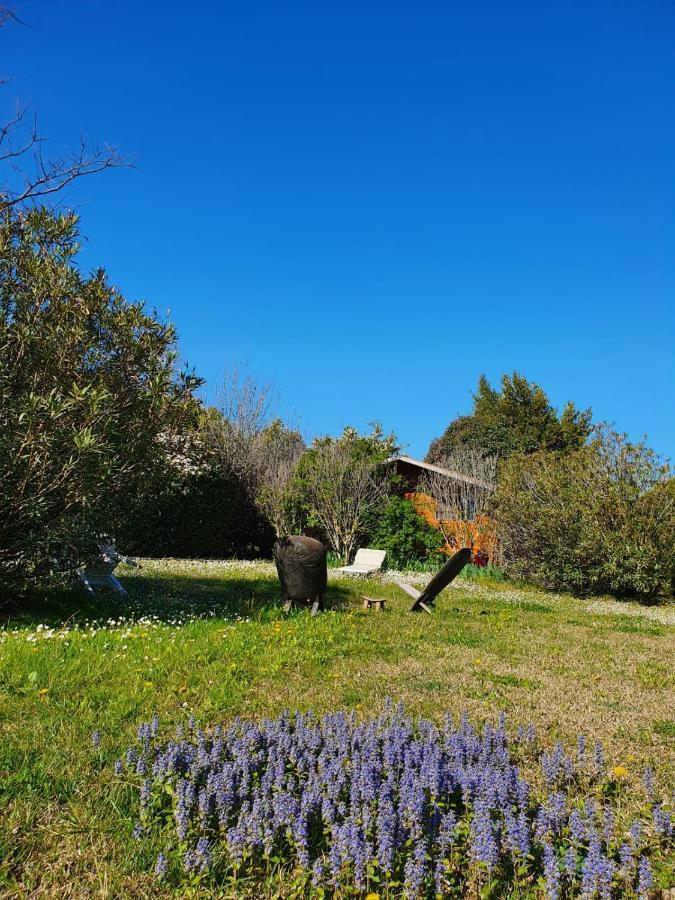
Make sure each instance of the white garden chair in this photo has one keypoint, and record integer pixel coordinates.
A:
(365, 562)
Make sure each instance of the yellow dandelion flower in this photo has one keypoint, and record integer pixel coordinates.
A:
(372, 897)
(43, 692)
(478, 661)
(148, 684)
(620, 772)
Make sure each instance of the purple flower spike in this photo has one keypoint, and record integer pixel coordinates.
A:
(648, 781)
(551, 872)
(645, 878)
(161, 866)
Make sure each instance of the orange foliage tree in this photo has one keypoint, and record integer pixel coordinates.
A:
(479, 533)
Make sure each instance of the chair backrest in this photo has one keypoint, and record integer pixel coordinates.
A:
(444, 576)
(367, 557)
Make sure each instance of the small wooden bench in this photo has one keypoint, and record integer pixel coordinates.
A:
(373, 603)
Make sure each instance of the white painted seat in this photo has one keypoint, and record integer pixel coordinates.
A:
(365, 562)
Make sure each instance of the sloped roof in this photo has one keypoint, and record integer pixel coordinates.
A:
(430, 467)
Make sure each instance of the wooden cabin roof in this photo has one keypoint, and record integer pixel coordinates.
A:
(408, 465)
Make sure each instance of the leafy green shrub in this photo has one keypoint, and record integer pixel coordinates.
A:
(406, 536)
(88, 388)
(597, 520)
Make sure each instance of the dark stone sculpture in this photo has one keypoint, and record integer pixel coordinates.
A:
(441, 580)
(302, 569)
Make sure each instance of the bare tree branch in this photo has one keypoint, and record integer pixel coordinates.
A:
(243, 412)
(465, 494)
(6, 15)
(26, 174)
(279, 465)
(466, 491)
(255, 447)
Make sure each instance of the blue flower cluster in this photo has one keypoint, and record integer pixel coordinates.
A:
(390, 803)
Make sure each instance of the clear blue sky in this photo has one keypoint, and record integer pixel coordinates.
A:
(373, 202)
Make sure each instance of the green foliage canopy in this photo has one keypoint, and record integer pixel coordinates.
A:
(519, 418)
(89, 392)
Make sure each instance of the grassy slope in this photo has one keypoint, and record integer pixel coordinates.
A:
(67, 826)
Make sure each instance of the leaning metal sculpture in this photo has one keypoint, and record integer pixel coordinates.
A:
(425, 599)
(303, 571)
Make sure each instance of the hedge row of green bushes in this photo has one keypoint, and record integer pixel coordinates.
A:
(210, 516)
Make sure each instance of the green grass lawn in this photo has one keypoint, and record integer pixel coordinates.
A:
(213, 642)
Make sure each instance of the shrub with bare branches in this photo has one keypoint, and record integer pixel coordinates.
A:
(465, 493)
(343, 490)
(279, 454)
(461, 497)
(235, 427)
(258, 449)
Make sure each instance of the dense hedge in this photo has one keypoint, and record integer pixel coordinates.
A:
(208, 516)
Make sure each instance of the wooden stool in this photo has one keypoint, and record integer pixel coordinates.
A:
(373, 603)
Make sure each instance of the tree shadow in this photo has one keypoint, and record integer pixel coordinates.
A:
(171, 599)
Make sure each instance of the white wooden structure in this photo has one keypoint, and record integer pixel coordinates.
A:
(365, 562)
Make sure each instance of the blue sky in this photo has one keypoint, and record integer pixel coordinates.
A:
(372, 203)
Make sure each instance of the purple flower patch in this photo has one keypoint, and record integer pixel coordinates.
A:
(385, 805)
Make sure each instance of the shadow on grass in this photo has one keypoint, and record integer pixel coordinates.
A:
(168, 598)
